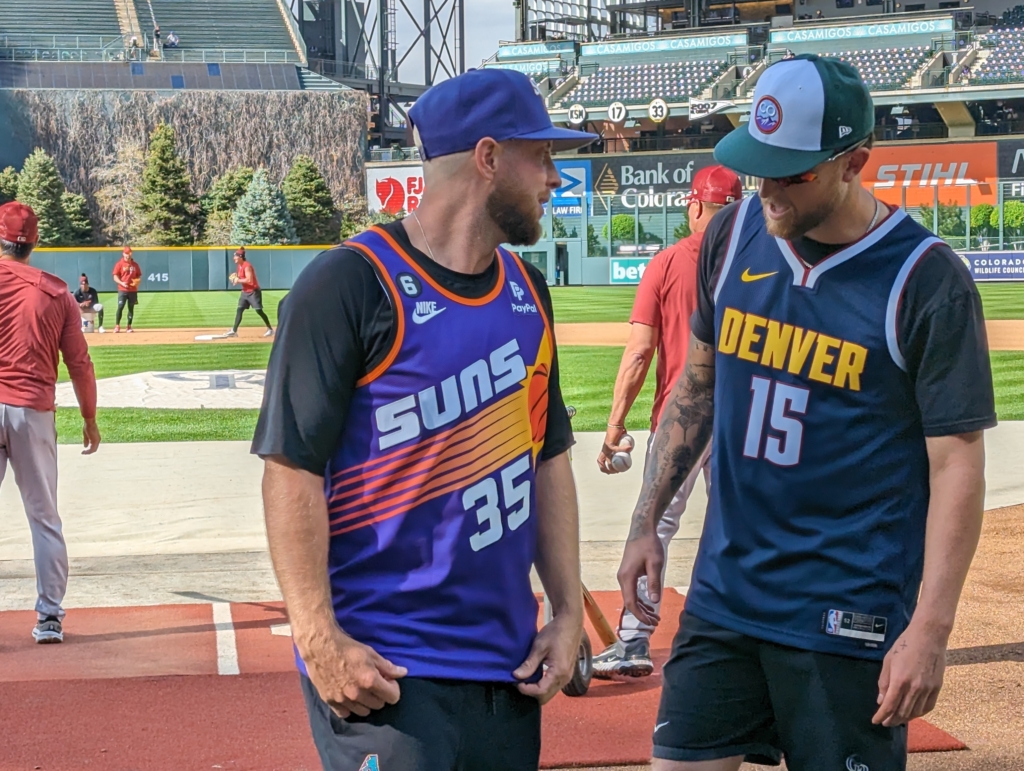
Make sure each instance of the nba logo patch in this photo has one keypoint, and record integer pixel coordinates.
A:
(834, 623)
(370, 764)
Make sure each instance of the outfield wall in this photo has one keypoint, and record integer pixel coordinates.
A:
(171, 269)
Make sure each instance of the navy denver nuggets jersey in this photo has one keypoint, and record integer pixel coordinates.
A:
(814, 535)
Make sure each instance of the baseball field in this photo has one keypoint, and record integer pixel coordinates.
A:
(167, 323)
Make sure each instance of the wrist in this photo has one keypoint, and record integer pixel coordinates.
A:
(934, 625)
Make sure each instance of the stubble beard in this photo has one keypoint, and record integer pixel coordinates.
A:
(512, 212)
(795, 224)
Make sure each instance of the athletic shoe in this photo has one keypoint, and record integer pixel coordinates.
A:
(48, 631)
(269, 333)
(130, 329)
(102, 330)
(632, 659)
(117, 328)
(231, 333)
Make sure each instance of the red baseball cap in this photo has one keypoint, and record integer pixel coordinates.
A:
(716, 184)
(18, 223)
(126, 250)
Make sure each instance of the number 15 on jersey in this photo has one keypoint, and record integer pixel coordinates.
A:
(785, 433)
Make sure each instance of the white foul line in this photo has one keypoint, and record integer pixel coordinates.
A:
(227, 650)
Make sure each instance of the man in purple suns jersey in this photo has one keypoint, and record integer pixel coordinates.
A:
(416, 457)
(839, 364)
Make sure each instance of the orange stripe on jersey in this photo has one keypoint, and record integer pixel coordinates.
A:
(423, 274)
(396, 303)
(451, 460)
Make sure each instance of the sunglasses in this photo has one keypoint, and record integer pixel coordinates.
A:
(810, 176)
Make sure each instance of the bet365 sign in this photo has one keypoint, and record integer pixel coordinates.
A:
(627, 270)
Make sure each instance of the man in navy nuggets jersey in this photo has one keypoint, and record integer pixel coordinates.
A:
(839, 361)
(416, 449)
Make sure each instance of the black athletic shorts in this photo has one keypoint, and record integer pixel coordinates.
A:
(253, 299)
(437, 725)
(725, 694)
(132, 298)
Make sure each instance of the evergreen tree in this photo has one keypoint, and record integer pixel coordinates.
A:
(8, 185)
(120, 191)
(261, 216)
(40, 187)
(309, 202)
(219, 203)
(166, 207)
(682, 230)
(79, 224)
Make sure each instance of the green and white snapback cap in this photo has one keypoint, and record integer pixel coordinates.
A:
(805, 110)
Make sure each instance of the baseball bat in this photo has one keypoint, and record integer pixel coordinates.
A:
(601, 626)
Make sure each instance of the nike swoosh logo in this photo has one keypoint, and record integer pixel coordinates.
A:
(418, 319)
(747, 276)
(660, 725)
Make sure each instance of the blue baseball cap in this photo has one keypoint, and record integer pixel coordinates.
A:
(454, 115)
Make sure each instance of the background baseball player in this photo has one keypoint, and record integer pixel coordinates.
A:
(839, 359)
(40, 320)
(252, 295)
(416, 449)
(127, 275)
(660, 322)
(89, 300)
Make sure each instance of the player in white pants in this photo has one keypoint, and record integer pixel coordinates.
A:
(660, 322)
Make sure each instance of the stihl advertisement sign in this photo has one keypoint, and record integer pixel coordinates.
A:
(394, 189)
(919, 170)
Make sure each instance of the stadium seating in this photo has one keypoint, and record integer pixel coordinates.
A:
(1012, 18)
(640, 83)
(221, 24)
(22, 18)
(886, 69)
(1005, 61)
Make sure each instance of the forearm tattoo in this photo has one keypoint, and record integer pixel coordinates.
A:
(683, 432)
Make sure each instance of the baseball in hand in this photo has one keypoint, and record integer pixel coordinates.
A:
(622, 461)
(628, 440)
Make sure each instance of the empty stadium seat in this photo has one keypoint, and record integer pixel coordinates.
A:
(640, 83)
(220, 24)
(886, 69)
(20, 19)
(1005, 60)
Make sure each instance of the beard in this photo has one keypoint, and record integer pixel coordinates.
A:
(796, 224)
(512, 211)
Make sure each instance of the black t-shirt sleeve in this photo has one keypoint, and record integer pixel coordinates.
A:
(558, 435)
(330, 333)
(941, 333)
(712, 255)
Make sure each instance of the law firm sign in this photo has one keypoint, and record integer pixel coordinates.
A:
(855, 31)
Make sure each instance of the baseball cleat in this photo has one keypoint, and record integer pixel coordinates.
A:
(269, 333)
(231, 333)
(632, 659)
(130, 329)
(48, 631)
(102, 330)
(117, 328)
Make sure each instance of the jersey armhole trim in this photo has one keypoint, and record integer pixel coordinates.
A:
(734, 237)
(536, 297)
(396, 303)
(892, 308)
(437, 287)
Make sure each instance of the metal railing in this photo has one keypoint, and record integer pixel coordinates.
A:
(382, 154)
(68, 55)
(60, 42)
(229, 56)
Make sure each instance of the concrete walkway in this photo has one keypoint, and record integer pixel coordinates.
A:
(181, 522)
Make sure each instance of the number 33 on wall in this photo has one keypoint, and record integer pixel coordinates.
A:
(489, 515)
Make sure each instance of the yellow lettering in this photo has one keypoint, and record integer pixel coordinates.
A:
(850, 366)
(802, 343)
(732, 323)
(750, 336)
(822, 358)
(776, 343)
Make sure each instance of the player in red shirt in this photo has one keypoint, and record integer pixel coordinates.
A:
(40, 322)
(127, 275)
(665, 300)
(252, 295)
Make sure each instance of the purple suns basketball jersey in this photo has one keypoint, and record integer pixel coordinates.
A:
(431, 488)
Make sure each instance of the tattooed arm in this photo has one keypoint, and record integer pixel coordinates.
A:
(682, 435)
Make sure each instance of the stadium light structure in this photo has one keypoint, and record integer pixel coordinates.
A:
(379, 46)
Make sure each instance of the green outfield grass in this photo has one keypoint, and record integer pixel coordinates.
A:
(169, 310)
(587, 377)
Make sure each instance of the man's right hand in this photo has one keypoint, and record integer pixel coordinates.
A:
(90, 437)
(351, 677)
(612, 444)
(643, 556)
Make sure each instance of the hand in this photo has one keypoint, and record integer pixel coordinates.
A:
(643, 556)
(612, 444)
(352, 677)
(90, 437)
(911, 676)
(556, 647)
